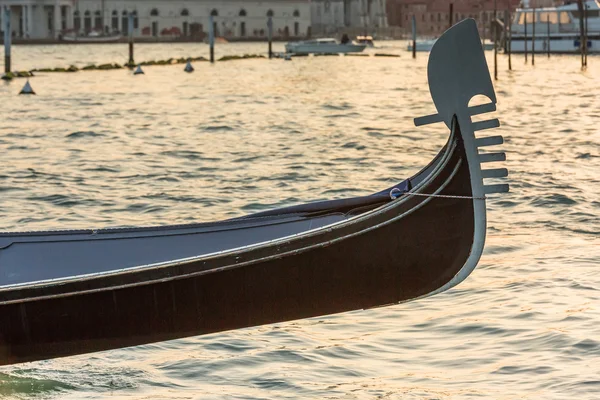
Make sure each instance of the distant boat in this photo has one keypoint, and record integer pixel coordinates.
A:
(218, 40)
(488, 46)
(366, 40)
(92, 37)
(424, 45)
(557, 27)
(323, 46)
(427, 45)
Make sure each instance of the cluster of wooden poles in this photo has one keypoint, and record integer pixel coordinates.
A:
(131, 61)
(583, 25)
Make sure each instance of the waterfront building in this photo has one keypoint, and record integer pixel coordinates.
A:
(329, 16)
(42, 19)
(433, 16)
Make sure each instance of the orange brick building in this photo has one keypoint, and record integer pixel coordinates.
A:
(433, 16)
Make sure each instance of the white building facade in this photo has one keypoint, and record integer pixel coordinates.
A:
(236, 19)
(335, 15)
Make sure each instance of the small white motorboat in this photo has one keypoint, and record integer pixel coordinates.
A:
(323, 46)
(366, 40)
(423, 45)
(92, 37)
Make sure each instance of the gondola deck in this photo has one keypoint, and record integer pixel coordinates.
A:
(75, 292)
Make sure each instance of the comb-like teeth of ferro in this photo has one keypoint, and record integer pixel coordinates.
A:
(500, 188)
(494, 173)
(489, 141)
(482, 109)
(474, 110)
(492, 157)
(488, 124)
(428, 119)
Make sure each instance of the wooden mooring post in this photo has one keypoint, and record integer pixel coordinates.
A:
(451, 15)
(533, 37)
(509, 45)
(414, 36)
(131, 61)
(585, 34)
(7, 39)
(548, 29)
(211, 37)
(270, 35)
(582, 38)
(495, 33)
(525, 40)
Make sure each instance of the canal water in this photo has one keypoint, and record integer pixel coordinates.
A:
(97, 149)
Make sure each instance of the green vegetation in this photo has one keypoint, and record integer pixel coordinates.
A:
(170, 61)
(105, 67)
(244, 57)
(18, 74)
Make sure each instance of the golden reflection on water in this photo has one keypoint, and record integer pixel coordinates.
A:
(107, 148)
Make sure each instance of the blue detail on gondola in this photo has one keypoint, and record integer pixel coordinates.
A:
(577, 43)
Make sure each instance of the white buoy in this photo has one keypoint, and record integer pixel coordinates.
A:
(188, 67)
(27, 89)
(138, 70)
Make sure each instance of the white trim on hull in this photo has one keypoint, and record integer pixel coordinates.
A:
(424, 45)
(325, 49)
(562, 45)
(323, 46)
(91, 39)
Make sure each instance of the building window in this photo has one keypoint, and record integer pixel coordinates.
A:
(87, 21)
(296, 13)
(296, 29)
(135, 19)
(439, 17)
(270, 13)
(77, 21)
(98, 20)
(115, 20)
(243, 13)
(242, 29)
(154, 12)
(214, 12)
(125, 22)
(185, 12)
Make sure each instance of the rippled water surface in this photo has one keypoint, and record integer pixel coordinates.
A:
(97, 149)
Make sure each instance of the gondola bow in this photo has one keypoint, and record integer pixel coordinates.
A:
(72, 292)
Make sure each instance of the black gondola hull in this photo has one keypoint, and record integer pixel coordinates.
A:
(410, 249)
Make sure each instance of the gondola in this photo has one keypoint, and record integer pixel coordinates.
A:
(65, 293)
